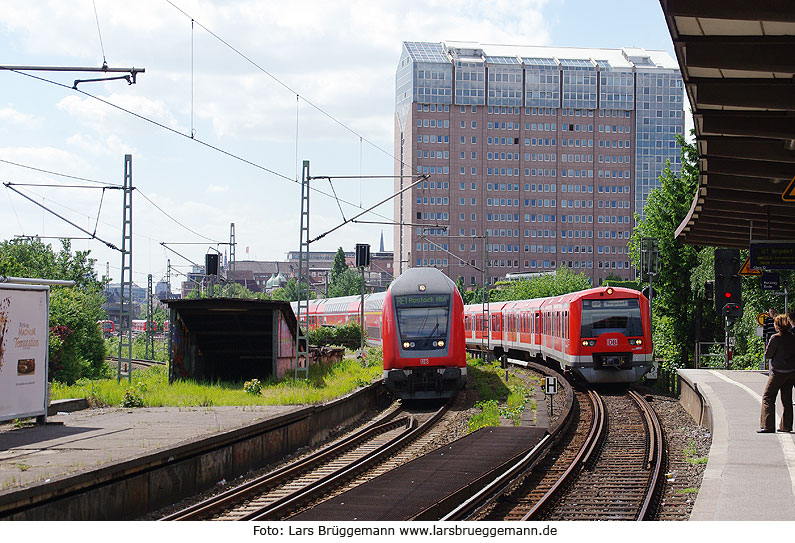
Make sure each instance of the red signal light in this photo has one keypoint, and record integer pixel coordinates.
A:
(728, 295)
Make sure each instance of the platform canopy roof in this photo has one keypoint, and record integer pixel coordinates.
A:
(737, 60)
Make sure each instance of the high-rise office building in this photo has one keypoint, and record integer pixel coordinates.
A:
(537, 157)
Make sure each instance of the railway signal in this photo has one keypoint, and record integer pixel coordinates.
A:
(728, 285)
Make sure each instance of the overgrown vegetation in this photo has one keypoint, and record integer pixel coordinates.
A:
(75, 346)
(346, 335)
(503, 397)
(151, 389)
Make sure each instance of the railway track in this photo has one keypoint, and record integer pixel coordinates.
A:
(289, 489)
(606, 467)
(140, 362)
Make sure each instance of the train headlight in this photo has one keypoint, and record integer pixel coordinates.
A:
(421, 288)
(406, 345)
(636, 341)
(588, 342)
(441, 343)
(411, 344)
(609, 291)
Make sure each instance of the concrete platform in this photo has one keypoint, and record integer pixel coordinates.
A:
(120, 464)
(749, 476)
(89, 439)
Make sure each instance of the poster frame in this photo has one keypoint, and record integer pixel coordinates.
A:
(43, 412)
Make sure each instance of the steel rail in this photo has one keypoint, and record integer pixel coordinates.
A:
(655, 454)
(218, 502)
(289, 503)
(595, 435)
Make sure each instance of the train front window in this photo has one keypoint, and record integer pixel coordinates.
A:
(422, 317)
(611, 316)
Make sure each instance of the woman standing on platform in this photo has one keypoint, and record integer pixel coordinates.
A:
(781, 353)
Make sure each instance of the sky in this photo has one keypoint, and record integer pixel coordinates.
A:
(261, 86)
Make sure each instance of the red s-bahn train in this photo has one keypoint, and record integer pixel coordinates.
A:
(602, 334)
(418, 321)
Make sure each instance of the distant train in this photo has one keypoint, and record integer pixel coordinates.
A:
(138, 326)
(602, 334)
(419, 323)
(106, 327)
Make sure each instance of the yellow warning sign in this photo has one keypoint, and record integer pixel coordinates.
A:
(789, 193)
(747, 270)
(761, 318)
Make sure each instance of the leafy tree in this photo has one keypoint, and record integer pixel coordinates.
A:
(289, 292)
(80, 350)
(666, 207)
(348, 283)
(76, 345)
(563, 281)
(338, 268)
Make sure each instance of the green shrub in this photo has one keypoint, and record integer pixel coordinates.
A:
(346, 335)
(253, 387)
(132, 398)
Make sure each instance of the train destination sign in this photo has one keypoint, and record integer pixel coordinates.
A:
(773, 255)
(422, 300)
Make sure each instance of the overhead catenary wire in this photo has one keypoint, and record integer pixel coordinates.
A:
(107, 243)
(114, 226)
(282, 83)
(420, 180)
(111, 185)
(103, 185)
(101, 45)
(187, 136)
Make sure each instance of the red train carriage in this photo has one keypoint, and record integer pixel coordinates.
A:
(141, 325)
(602, 334)
(106, 327)
(423, 335)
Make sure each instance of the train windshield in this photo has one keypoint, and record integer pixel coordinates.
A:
(607, 316)
(422, 316)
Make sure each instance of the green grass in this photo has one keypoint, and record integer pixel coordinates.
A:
(689, 490)
(690, 455)
(151, 387)
(501, 398)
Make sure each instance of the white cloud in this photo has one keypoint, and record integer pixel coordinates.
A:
(110, 145)
(215, 189)
(10, 115)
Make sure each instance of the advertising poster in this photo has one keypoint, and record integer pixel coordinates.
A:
(24, 334)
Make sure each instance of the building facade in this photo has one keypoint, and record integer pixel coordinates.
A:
(535, 157)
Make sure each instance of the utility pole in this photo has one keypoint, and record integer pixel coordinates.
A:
(150, 333)
(301, 340)
(230, 272)
(125, 301)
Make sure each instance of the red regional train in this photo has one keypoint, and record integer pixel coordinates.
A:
(601, 334)
(418, 321)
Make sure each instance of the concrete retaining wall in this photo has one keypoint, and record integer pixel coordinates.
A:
(694, 402)
(130, 489)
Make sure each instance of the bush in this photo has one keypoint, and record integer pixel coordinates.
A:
(347, 335)
(76, 346)
(253, 387)
(132, 398)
